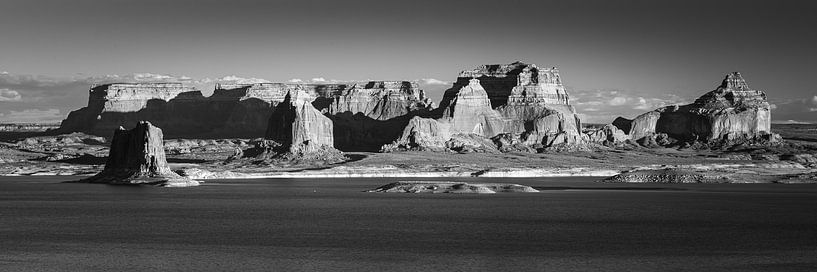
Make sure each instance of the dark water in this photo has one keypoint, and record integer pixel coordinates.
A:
(329, 224)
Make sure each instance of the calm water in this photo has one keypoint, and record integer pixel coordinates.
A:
(329, 224)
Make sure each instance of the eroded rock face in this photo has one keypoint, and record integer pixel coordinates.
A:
(607, 135)
(233, 111)
(516, 99)
(381, 100)
(298, 126)
(137, 156)
(731, 114)
(366, 115)
(369, 115)
(470, 112)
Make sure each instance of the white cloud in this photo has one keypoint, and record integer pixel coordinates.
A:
(434, 81)
(32, 116)
(318, 79)
(798, 110)
(9, 95)
(241, 80)
(152, 77)
(295, 80)
(617, 101)
(602, 106)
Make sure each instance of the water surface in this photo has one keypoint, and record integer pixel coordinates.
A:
(574, 224)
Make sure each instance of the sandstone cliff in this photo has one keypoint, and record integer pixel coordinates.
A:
(731, 114)
(301, 130)
(232, 111)
(366, 116)
(516, 100)
(137, 156)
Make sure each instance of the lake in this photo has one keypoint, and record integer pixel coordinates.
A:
(574, 224)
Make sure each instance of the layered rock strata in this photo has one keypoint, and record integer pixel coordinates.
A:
(366, 116)
(731, 114)
(519, 100)
(301, 130)
(137, 157)
(232, 111)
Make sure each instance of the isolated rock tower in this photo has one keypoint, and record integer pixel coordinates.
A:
(137, 156)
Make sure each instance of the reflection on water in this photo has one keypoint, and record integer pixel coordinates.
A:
(330, 224)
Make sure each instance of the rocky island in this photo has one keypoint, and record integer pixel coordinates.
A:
(137, 157)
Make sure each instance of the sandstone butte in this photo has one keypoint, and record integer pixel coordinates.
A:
(137, 157)
(731, 114)
(515, 103)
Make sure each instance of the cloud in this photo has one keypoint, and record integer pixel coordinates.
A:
(617, 101)
(32, 116)
(602, 106)
(9, 95)
(295, 80)
(318, 79)
(795, 110)
(433, 81)
(241, 80)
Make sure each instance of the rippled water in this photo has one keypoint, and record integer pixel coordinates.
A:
(330, 224)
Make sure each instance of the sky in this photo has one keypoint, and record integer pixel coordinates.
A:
(617, 58)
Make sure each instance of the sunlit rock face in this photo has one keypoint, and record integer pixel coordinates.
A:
(471, 112)
(137, 156)
(731, 114)
(247, 107)
(516, 99)
(607, 135)
(381, 100)
(369, 115)
(125, 104)
(232, 111)
(298, 126)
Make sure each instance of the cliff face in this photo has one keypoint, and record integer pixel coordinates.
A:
(366, 116)
(517, 99)
(232, 110)
(298, 126)
(471, 112)
(730, 114)
(137, 156)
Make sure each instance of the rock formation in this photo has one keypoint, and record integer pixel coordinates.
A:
(517, 99)
(608, 135)
(301, 129)
(452, 188)
(469, 112)
(137, 156)
(731, 114)
(234, 110)
(366, 116)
